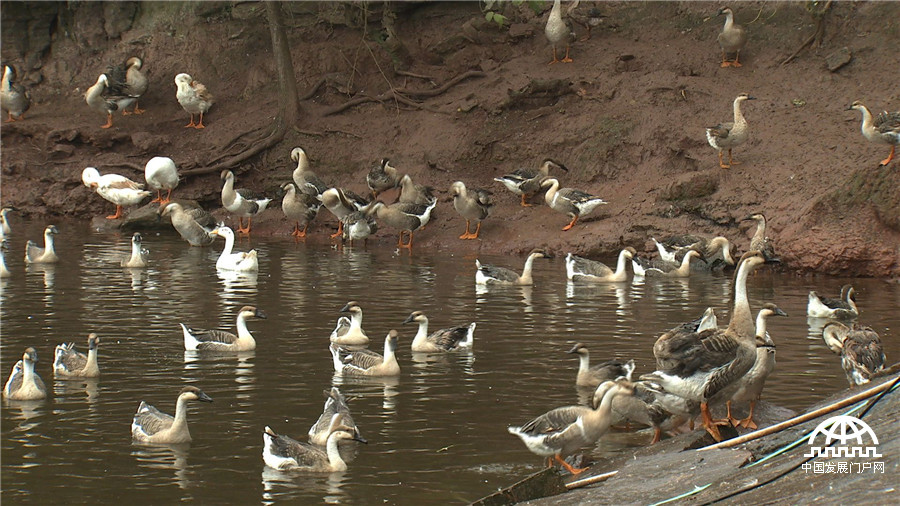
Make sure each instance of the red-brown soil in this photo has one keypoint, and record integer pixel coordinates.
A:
(628, 119)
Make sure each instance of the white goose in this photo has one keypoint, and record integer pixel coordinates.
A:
(582, 269)
(161, 174)
(349, 331)
(5, 229)
(70, 363)
(151, 425)
(138, 258)
(4, 272)
(823, 307)
(34, 254)
(241, 202)
(24, 384)
(240, 261)
(366, 362)
(193, 97)
(117, 189)
(219, 340)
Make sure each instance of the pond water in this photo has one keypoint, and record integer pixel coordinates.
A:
(437, 434)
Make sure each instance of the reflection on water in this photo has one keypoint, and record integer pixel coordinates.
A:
(444, 414)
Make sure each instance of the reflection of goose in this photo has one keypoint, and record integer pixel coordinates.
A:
(448, 339)
(139, 254)
(335, 404)
(70, 363)
(492, 275)
(367, 362)
(24, 384)
(240, 261)
(4, 272)
(151, 425)
(283, 453)
(593, 376)
(219, 340)
(862, 355)
(823, 307)
(34, 254)
(349, 331)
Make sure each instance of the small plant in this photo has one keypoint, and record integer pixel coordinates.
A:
(492, 16)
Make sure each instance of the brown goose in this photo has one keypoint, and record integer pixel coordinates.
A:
(284, 453)
(192, 224)
(732, 38)
(107, 96)
(486, 274)
(405, 217)
(340, 203)
(151, 425)
(335, 404)
(415, 193)
(526, 181)
(750, 386)
(70, 363)
(862, 355)
(760, 241)
(382, 177)
(366, 362)
(306, 180)
(592, 377)
(219, 340)
(474, 204)
(569, 201)
(299, 207)
(884, 129)
(583, 269)
(449, 339)
(730, 135)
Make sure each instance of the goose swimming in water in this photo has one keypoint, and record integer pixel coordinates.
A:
(823, 307)
(117, 189)
(883, 129)
(526, 181)
(242, 202)
(493, 275)
(34, 254)
(731, 134)
(70, 363)
(583, 269)
(151, 425)
(5, 229)
(348, 331)
(219, 340)
(286, 454)
(239, 261)
(24, 384)
(593, 376)
(335, 404)
(569, 201)
(860, 348)
(138, 258)
(4, 272)
(366, 362)
(449, 339)
(642, 267)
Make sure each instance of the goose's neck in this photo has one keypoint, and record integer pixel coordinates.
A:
(741, 318)
(866, 119)
(27, 372)
(228, 192)
(421, 334)
(91, 365)
(48, 243)
(334, 455)
(388, 351)
(135, 251)
(229, 245)
(761, 319)
(243, 332)
(738, 115)
(550, 196)
(180, 422)
(556, 10)
(729, 21)
(356, 322)
(584, 363)
(621, 263)
(526, 271)
(302, 163)
(686, 263)
(760, 235)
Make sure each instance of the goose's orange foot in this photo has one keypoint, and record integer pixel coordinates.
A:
(108, 121)
(117, 215)
(569, 468)
(888, 159)
(571, 224)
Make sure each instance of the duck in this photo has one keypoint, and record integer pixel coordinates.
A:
(4, 272)
(760, 241)
(558, 31)
(115, 188)
(70, 363)
(359, 225)
(593, 376)
(24, 384)
(823, 307)
(563, 431)
(34, 254)
(883, 129)
(862, 355)
(404, 216)
(306, 180)
(350, 332)
(137, 82)
(526, 181)
(151, 425)
(569, 201)
(583, 269)
(731, 134)
(241, 202)
(193, 224)
(239, 261)
(193, 97)
(474, 204)
(732, 38)
(413, 193)
(219, 340)
(14, 98)
(365, 362)
(109, 95)
(5, 229)
(341, 202)
(299, 207)
(286, 454)
(707, 366)
(161, 174)
(493, 275)
(382, 177)
(449, 339)
(750, 386)
(335, 404)
(643, 267)
(138, 258)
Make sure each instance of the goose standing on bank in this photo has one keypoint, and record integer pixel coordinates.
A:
(862, 355)
(823, 307)
(526, 181)
(760, 241)
(109, 95)
(751, 384)
(70, 363)
(558, 30)
(306, 180)
(14, 98)
(405, 217)
(239, 261)
(449, 339)
(414, 193)
(335, 404)
(193, 97)
(24, 384)
(474, 204)
(884, 129)
(219, 340)
(731, 134)
(286, 454)
(583, 269)
(732, 39)
(367, 362)
(151, 425)
(340, 203)
(592, 377)
(117, 189)
(569, 201)
(351, 334)
(242, 202)
(136, 81)
(138, 258)
(494, 275)
(299, 207)
(359, 225)
(193, 225)
(382, 177)
(161, 174)
(35, 254)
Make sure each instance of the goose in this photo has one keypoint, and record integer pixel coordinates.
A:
(862, 355)
(240, 261)
(193, 225)
(527, 181)
(359, 225)
(350, 333)
(592, 19)
(335, 404)
(382, 177)
(474, 204)
(117, 189)
(299, 207)
(593, 376)
(563, 431)
(730, 135)
(219, 340)
(4, 272)
(653, 407)
(642, 267)
(24, 384)
(70, 363)
(823, 307)
(366, 362)
(151, 425)
(306, 180)
(493, 275)
(884, 129)
(569, 201)
(404, 216)
(34, 254)
(662, 347)
(717, 251)
(286, 454)
(582, 269)
(750, 386)
(732, 38)
(449, 339)
(759, 241)
(340, 203)
(161, 174)
(5, 229)
(241, 202)
(707, 366)
(413, 193)
(136, 81)
(558, 31)
(108, 95)
(14, 98)
(138, 258)
(193, 97)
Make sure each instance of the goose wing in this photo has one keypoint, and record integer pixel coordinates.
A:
(720, 131)
(305, 454)
(150, 420)
(66, 357)
(888, 123)
(685, 353)
(498, 273)
(582, 265)
(363, 359)
(865, 352)
(202, 217)
(213, 336)
(575, 196)
(449, 338)
(15, 378)
(32, 250)
(554, 421)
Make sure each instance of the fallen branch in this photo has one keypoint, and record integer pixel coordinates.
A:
(590, 480)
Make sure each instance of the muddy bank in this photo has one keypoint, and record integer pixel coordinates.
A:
(627, 117)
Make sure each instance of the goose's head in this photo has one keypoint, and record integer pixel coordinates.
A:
(550, 163)
(30, 355)
(630, 253)
(457, 188)
(193, 394)
(391, 340)
(620, 386)
(338, 429)
(93, 341)
(768, 309)
(222, 231)
(579, 349)
(297, 153)
(547, 182)
(169, 209)
(104, 80)
(757, 217)
(184, 79)
(416, 317)
(540, 253)
(289, 188)
(251, 312)
(90, 176)
(725, 11)
(136, 238)
(751, 259)
(134, 61)
(856, 105)
(834, 334)
(352, 307)
(50, 230)
(227, 175)
(743, 96)
(9, 73)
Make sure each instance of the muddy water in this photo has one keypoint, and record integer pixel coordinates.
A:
(437, 434)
